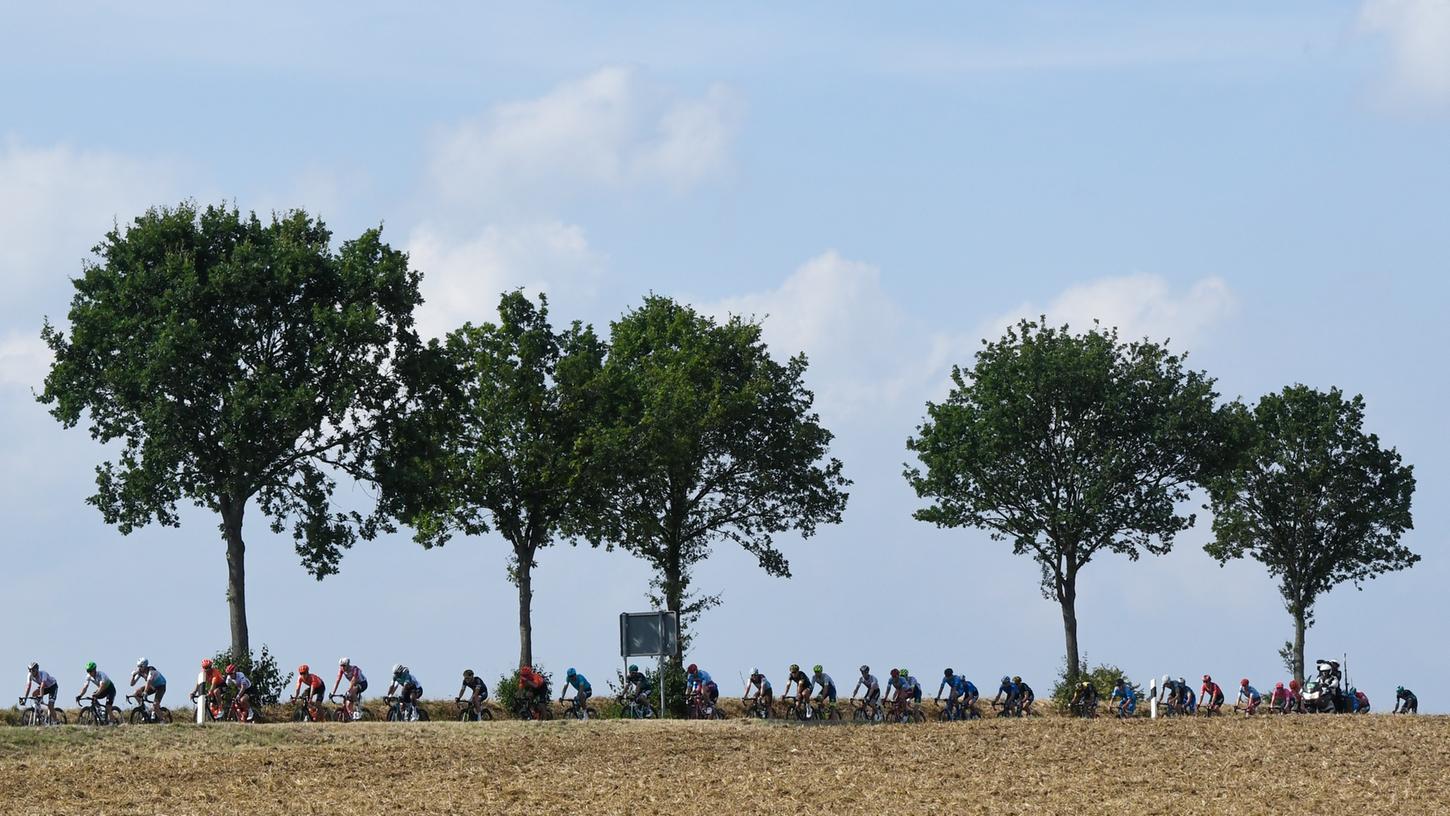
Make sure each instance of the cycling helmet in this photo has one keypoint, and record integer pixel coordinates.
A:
(231, 668)
(1207, 679)
(570, 672)
(1006, 679)
(91, 666)
(1016, 678)
(1278, 687)
(1085, 684)
(896, 672)
(1294, 684)
(1118, 682)
(33, 666)
(816, 669)
(343, 663)
(468, 672)
(947, 673)
(905, 672)
(633, 667)
(304, 669)
(1398, 689)
(755, 671)
(691, 669)
(142, 662)
(1244, 682)
(397, 668)
(794, 667)
(206, 662)
(865, 669)
(1167, 679)
(1182, 682)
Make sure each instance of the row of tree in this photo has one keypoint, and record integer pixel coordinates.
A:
(247, 364)
(242, 363)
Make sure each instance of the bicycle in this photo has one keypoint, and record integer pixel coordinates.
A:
(39, 714)
(956, 710)
(757, 707)
(867, 712)
(527, 708)
(1087, 709)
(94, 713)
(798, 709)
(304, 710)
(906, 711)
(142, 713)
(698, 707)
(827, 710)
(630, 708)
(467, 714)
(1010, 708)
(234, 712)
(346, 711)
(398, 712)
(578, 711)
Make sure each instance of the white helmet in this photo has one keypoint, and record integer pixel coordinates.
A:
(33, 666)
(1166, 680)
(755, 671)
(343, 662)
(142, 663)
(398, 668)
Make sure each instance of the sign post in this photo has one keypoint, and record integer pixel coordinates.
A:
(200, 701)
(649, 634)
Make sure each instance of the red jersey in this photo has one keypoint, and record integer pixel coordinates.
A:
(312, 681)
(214, 679)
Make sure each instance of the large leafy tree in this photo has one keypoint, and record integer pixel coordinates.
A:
(1315, 499)
(235, 360)
(1070, 446)
(499, 441)
(711, 440)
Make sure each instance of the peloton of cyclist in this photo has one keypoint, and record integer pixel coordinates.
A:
(801, 681)
(105, 689)
(1187, 700)
(1007, 695)
(1405, 701)
(151, 682)
(45, 686)
(868, 681)
(356, 684)
(238, 680)
(582, 690)
(1249, 696)
(1127, 699)
(1279, 699)
(761, 686)
(311, 688)
(410, 691)
(956, 686)
(476, 688)
(824, 682)
(910, 685)
(1210, 697)
(1085, 699)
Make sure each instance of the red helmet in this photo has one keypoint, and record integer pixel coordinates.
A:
(303, 670)
(1244, 682)
(206, 663)
(1278, 687)
(1294, 684)
(691, 669)
(231, 668)
(1207, 679)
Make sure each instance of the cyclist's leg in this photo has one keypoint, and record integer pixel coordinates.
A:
(157, 693)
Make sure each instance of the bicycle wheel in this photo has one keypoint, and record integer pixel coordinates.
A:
(165, 716)
(61, 718)
(86, 717)
(138, 717)
(422, 714)
(485, 714)
(299, 714)
(395, 714)
(27, 717)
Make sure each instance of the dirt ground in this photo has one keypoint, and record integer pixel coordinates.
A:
(1343, 765)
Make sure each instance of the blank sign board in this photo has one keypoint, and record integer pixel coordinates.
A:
(648, 634)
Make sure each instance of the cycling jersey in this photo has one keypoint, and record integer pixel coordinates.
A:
(152, 677)
(476, 684)
(1026, 692)
(214, 679)
(699, 679)
(823, 680)
(955, 683)
(1124, 693)
(1008, 688)
(580, 683)
(1249, 693)
(240, 681)
(909, 684)
(762, 683)
(971, 690)
(1213, 691)
(639, 681)
(100, 680)
(869, 681)
(41, 680)
(353, 675)
(406, 679)
(313, 682)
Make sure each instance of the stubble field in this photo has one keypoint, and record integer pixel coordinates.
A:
(1345, 765)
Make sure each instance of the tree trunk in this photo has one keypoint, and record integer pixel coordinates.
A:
(1299, 615)
(675, 593)
(1067, 597)
(232, 512)
(524, 577)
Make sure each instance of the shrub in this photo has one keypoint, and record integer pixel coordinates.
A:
(1104, 677)
(268, 682)
(506, 691)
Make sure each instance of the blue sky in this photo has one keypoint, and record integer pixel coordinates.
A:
(1267, 187)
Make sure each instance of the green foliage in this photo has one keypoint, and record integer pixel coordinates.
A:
(1070, 446)
(268, 682)
(710, 439)
(498, 439)
(1104, 678)
(1316, 500)
(506, 691)
(234, 360)
(674, 675)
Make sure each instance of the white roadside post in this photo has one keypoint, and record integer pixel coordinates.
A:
(200, 701)
(1153, 699)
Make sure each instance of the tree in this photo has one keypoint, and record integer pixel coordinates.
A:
(502, 438)
(1069, 446)
(711, 440)
(1316, 500)
(235, 359)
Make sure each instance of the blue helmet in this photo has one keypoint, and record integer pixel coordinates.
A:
(570, 673)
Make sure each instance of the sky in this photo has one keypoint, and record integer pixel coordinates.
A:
(1262, 185)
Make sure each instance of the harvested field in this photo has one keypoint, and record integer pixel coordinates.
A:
(1353, 765)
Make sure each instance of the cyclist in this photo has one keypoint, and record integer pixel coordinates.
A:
(410, 690)
(1169, 693)
(356, 685)
(1024, 696)
(582, 690)
(479, 689)
(1085, 699)
(873, 688)
(316, 689)
(1279, 699)
(802, 683)
(958, 690)
(637, 685)
(911, 686)
(155, 683)
(210, 687)
(698, 680)
(535, 690)
(238, 680)
(763, 692)
(1187, 700)
(1007, 695)
(45, 685)
(1249, 695)
(1210, 697)
(1405, 701)
(827, 686)
(1129, 700)
(105, 689)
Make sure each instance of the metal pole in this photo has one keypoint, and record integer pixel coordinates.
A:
(662, 686)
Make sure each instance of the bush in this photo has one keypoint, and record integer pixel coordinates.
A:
(506, 691)
(1104, 678)
(268, 682)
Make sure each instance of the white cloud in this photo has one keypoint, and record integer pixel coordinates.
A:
(23, 361)
(57, 202)
(1137, 305)
(462, 279)
(609, 130)
(1419, 36)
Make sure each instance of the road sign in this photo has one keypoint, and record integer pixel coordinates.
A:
(648, 634)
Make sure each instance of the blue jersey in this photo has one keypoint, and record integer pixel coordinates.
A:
(1125, 693)
(1249, 693)
(971, 690)
(699, 679)
(406, 679)
(579, 682)
(1009, 688)
(955, 683)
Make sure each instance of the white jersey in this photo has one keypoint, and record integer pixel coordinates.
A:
(42, 679)
(99, 681)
